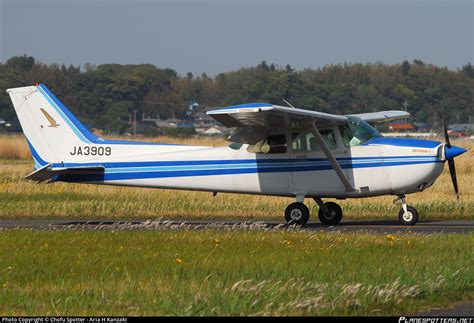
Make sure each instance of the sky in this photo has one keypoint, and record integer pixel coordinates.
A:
(218, 36)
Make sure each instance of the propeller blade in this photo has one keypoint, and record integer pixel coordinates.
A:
(452, 171)
(446, 136)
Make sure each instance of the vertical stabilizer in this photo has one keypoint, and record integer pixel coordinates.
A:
(51, 129)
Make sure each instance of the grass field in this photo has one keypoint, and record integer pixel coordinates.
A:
(24, 199)
(235, 272)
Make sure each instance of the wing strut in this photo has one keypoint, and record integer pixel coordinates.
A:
(332, 160)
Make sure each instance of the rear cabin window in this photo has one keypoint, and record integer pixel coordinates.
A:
(274, 144)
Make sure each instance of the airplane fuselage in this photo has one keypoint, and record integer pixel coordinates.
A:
(389, 166)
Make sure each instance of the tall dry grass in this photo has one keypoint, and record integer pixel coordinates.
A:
(15, 146)
(192, 141)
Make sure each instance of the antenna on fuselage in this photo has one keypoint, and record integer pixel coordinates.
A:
(289, 103)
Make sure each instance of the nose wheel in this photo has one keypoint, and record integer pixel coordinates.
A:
(407, 215)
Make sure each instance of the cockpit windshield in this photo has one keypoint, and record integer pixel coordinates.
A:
(357, 132)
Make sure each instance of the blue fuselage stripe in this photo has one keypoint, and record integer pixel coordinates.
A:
(210, 162)
(166, 172)
(261, 165)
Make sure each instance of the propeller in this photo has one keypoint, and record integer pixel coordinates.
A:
(450, 159)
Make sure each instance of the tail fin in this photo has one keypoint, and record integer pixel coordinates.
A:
(50, 128)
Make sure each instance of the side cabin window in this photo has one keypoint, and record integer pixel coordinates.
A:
(306, 142)
(347, 138)
(274, 144)
(357, 132)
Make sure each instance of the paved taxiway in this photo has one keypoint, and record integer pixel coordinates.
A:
(460, 310)
(377, 226)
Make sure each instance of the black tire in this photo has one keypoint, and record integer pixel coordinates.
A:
(411, 218)
(297, 213)
(334, 216)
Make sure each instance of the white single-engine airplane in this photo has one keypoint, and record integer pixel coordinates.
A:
(275, 150)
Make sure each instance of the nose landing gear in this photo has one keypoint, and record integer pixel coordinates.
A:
(407, 215)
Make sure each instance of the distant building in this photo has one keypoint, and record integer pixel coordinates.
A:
(401, 127)
(146, 128)
(213, 131)
(165, 124)
(196, 121)
(423, 126)
(461, 127)
(192, 105)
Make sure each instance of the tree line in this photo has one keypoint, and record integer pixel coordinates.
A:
(106, 96)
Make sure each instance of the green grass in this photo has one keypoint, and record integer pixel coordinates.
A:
(237, 272)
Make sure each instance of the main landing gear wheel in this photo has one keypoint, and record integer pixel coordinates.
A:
(408, 218)
(297, 213)
(333, 217)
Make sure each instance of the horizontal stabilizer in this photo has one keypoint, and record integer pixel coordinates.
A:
(41, 174)
(47, 172)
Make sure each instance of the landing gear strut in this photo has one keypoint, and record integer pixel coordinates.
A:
(407, 215)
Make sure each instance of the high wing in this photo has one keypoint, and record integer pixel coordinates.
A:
(254, 121)
(382, 116)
